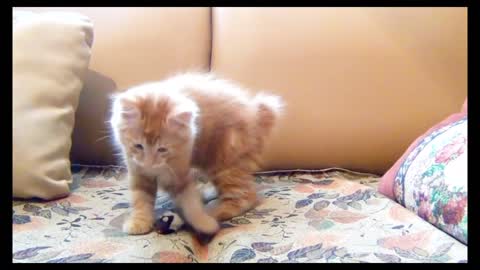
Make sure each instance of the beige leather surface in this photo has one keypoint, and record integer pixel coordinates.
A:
(133, 45)
(360, 83)
(50, 57)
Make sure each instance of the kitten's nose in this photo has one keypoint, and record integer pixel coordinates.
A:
(148, 162)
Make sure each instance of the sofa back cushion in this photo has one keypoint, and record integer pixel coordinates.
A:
(360, 83)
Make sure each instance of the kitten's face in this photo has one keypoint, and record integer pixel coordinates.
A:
(152, 130)
(150, 155)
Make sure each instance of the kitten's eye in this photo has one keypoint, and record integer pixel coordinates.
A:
(162, 150)
(139, 146)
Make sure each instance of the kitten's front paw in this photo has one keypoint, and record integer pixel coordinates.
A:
(208, 225)
(135, 226)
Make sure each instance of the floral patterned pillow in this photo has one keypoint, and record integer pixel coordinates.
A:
(431, 177)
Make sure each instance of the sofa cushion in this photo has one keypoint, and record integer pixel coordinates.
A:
(431, 176)
(304, 217)
(51, 52)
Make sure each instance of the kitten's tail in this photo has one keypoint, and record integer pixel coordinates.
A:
(269, 109)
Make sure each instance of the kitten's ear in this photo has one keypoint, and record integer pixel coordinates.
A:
(129, 111)
(183, 116)
(180, 119)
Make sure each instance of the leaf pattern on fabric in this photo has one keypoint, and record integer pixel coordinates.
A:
(72, 259)
(302, 252)
(60, 211)
(28, 253)
(320, 205)
(21, 219)
(388, 258)
(420, 252)
(341, 204)
(122, 205)
(346, 216)
(267, 260)
(303, 203)
(321, 224)
(86, 227)
(325, 182)
(442, 250)
(31, 208)
(44, 213)
(263, 246)
(242, 255)
(316, 195)
(281, 249)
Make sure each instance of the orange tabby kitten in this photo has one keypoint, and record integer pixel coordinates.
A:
(191, 120)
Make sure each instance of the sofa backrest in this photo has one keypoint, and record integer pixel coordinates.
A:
(360, 83)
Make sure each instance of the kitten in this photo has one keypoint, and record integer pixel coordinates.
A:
(189, 121)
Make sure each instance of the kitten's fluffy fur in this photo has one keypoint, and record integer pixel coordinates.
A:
(191, 120)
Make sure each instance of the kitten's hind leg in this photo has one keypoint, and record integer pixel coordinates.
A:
(237, 194)
(143, 194)
(209, 193)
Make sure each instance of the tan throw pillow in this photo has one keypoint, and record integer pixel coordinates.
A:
(51, 52)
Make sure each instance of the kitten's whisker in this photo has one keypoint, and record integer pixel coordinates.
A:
(118, 154)
(102, 138)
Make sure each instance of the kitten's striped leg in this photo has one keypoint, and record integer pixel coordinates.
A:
(237, 194)
(143, 194)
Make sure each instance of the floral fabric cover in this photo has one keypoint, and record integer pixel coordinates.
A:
(331, 216)
(432, 181)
